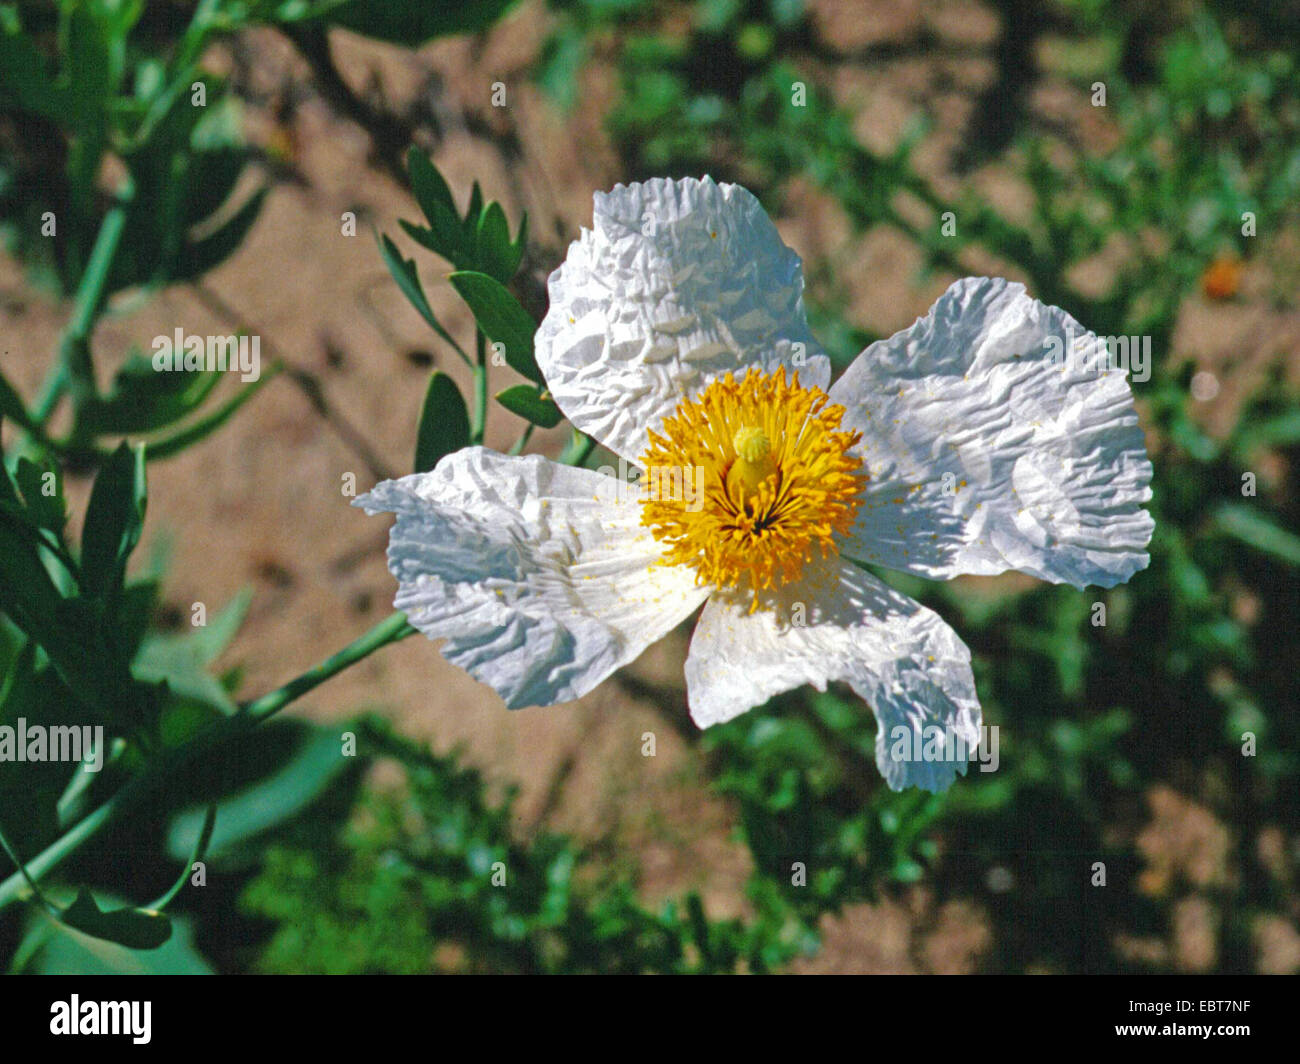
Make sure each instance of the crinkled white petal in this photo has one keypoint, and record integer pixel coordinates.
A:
(539, 576)
(840, 624)
(997, 436)
(676, 283)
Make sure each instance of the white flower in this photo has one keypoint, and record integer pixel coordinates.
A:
(977, 441)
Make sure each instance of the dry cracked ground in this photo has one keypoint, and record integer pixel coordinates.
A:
(260, 505)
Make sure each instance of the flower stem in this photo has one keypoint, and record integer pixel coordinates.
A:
(249, 716)
(578, 450)
(480, 387)
(74, 365)
(390, 630)
(518, 446)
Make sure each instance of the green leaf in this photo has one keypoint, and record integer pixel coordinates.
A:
(434, 199)
(267, 802)
(173, 662)
(1242, 522)
(470, 222)
(135, 607)
(1280, 431)
(131, 927)
(144, 400)
(531, 404)
(501, 318)
(65, 629)
(89, 70)
(180, 660)
(199, 256)
(209, 423)
(47, 510)
(520, 244)
(12, 406)
(52, 948)
(114, 519)
(210, 641)
(27, 593)
(408, 280)
(444, 423)
(460, 258)
(496, 255)
(25, 84)
(29, 790)
(186, 163)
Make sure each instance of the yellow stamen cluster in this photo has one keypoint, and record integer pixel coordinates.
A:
(776, 475)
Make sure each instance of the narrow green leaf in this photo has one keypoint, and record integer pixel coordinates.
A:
(181, 661)
(29, 597)
(134, 609)
(204, 426)
(12, 406)
(89, 67)
(1255, 530)
(556, 69)
(496, 255)
(472, 213)
(531, 404)
(202, 255)
(520, 244)
(268, 800)
(144, 400)
(434, 199)
(114, 519)
(25, 84)
(47, 510)
(8, 490)
(1280, 431)
(501, 318)
(444, 423)
(210, 641)
(460, 258)
(408, 280)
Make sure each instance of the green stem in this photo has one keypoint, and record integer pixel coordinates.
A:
(23, 873)
(390, 630)
(518, 446)
(51, 392)
(251, 715)
(74, 366)
(480, 387)
(579, 449)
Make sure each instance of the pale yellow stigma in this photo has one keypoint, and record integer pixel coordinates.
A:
(751, 444)
(754, 463)
(773, 475)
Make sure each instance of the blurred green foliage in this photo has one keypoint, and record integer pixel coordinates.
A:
(429, 876)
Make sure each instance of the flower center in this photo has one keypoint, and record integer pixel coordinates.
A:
(750, 480)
